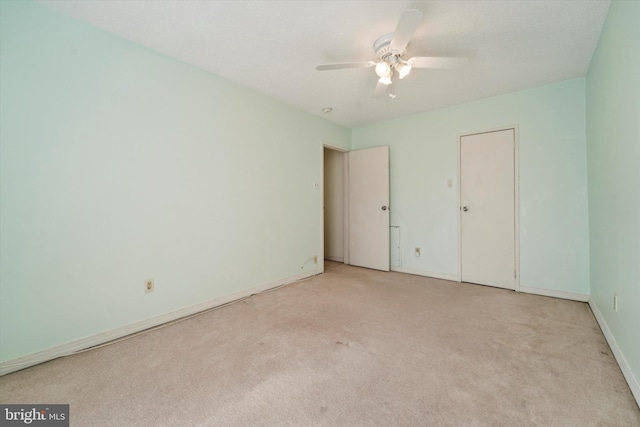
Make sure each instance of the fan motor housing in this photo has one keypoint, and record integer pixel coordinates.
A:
(382, 47)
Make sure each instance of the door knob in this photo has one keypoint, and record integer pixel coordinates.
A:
(384, 208)
(465, 208)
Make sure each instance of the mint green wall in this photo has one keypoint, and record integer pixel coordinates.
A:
(554, 247)
(119, 164)
(613, 141)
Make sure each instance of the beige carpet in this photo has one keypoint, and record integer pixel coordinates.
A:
(352, 347)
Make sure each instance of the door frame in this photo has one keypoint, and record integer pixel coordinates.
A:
(516, 197)
(345, 183)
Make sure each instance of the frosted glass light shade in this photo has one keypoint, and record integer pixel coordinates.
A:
(385, 80)
(382, 69)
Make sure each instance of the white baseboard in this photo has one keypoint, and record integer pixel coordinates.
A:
(555, 294)
(431, 274)
(334, 258)
(617, 353)
(19, 363)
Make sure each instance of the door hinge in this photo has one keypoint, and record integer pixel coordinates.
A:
(515, 274)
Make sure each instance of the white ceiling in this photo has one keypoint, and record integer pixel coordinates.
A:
(274, 46)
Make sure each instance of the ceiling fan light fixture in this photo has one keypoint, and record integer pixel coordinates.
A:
(390, 50)
(386, 80)
(383, 69)
(403, 69)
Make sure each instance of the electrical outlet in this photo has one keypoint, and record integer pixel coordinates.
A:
(417, 252)
(615, 303)
(315, 259)
(449, 183)
(148, 286)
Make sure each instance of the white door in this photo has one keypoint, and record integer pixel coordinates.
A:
(487, 208)
(369, 208)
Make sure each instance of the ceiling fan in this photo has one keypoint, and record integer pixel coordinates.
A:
(390, 49)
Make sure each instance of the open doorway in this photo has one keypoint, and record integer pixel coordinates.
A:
(334, 206)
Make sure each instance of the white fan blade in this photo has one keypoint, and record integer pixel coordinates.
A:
(383, 89)
(436, 62)
(380, 91)
(346, 65)
(409, 21)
